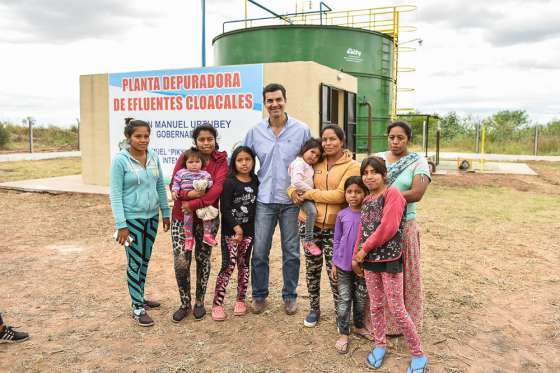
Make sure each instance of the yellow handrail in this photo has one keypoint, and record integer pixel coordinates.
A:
(385, 20)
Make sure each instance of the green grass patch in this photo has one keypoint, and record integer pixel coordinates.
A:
(24, 170)
(14, 138)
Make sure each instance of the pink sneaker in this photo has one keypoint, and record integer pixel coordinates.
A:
(189, 243)
(240, 308)
(311, 248)
(208, 239)
(218, 313)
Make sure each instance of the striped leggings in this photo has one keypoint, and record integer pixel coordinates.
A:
(143, 232)
(233, 254)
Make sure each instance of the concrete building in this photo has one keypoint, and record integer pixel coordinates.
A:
(308, 100)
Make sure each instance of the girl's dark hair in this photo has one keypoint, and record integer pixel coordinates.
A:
(130, 124)
(311, 144)
(338, 131)
(377, 163)
(356, 180)
(236, 151)
(405, 126)
(205, 127)
(192, 152)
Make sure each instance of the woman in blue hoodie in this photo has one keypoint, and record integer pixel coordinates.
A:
(137, 194)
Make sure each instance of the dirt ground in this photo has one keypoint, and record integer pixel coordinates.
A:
(491, 267)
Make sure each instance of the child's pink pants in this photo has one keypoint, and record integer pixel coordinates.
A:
(390, 285)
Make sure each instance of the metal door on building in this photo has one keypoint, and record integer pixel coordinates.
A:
(338, 107)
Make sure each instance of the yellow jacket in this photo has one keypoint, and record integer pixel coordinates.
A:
(328, 193)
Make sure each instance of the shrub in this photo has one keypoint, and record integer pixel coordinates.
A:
(4, 136)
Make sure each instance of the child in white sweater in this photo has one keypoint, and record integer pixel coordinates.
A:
(301, 173)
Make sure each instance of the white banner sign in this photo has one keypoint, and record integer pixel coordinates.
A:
(175, 102)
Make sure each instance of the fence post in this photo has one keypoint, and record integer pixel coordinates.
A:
(536, 148)
(477, 141)
(30, 124)
(424, 137)
(482, 148)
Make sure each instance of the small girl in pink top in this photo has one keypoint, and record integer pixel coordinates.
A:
(193, 177)
(301, 173)
(378, 256)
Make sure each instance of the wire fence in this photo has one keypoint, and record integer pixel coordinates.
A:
(505, 132)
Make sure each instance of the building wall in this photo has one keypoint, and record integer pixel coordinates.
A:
(94, 128)
(301, 79)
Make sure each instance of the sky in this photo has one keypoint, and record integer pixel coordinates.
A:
(476, 57)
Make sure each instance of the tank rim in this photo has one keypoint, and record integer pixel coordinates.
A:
(342, 28)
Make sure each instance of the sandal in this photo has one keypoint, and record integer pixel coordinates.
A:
(341, 346)
(375, 358)
(364, 334)
(418, 364)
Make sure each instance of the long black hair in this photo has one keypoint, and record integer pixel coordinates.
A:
(377, 163)
(338, 131)
(405, 126)
(205, 127)
(236, 151)
(130, 125)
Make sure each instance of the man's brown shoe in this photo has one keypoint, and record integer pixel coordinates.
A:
(290, 306)
(258, 305)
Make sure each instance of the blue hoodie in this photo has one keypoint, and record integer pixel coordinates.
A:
(137, 192)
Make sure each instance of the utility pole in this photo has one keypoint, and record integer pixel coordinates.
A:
(78, 122)
(30, 121)
(203, 33)
(536, 148)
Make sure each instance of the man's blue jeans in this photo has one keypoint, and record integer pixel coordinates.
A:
(266, 217)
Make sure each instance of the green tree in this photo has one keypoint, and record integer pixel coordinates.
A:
(552, 128)
(452, 126)
(506, 124)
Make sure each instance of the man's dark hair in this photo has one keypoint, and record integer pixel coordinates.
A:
(273, 87)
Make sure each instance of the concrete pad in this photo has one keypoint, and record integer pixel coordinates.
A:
(507, 168)
(446, 167)
(14, 157)
(498, 157)
(61, 184)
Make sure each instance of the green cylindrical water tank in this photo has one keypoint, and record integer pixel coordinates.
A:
(367, 55)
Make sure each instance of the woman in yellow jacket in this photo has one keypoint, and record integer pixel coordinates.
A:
(330, 175)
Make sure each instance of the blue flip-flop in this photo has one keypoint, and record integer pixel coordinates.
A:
(374, 359)
(418, 364)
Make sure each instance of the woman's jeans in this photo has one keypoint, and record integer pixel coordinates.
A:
(267, 216)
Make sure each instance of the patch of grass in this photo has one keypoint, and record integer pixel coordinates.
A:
(24, 170)
(51, 138)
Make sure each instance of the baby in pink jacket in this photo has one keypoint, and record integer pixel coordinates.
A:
(301, 173)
